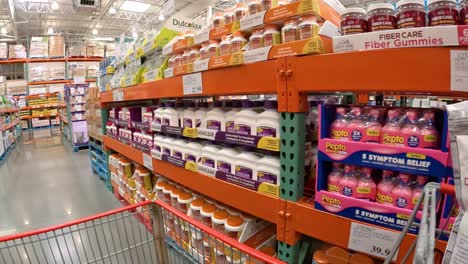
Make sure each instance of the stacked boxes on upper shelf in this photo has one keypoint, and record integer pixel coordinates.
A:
(373, 162)
(75, 98)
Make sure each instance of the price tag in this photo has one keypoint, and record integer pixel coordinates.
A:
(459, 70)
(118, 95)
(371, 240)
(201, 37)
(169, 72)
(192, 83)
(167, 49)
(148, 161)
(79, 80)
(249, 22)
(201, 65)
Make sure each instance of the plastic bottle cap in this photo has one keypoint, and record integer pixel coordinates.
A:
(360, 259)
(290, 21)
(175, 192)
(271, 27)
(234, 221)
(308, 17)
(404, 2)
(220, 215)
(197, 203)
(257, 31)
(320, 257)
(380, 6)
(354, 10)
(338, 255)
(160, 185)
(184, 197)
(168, 188)
(208, 208)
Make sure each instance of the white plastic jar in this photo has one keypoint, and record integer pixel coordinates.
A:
(230, 116)
(195, 207)
(246, 120)
(214, 118)
(218, 220)
(167, 146)
(204, 52)
(238, 42)
(268, 169)
(268, 122)
(200, 113)
(158, 113)
(271, 35)
(170, 116)
(289, 30)
(179, 148)
(146, 115)
(209, 155)
(192, 151)
(228, 17)
(194, 54)
(188, 115)
(234, 226)
(245, 165)
(225, 161)
(239, 11)
(206, 213)
(308, 27)
(253, 7)
(158, 144)
(184, 199)
(212, 49)
(256, 39)
(159, 189)
(225, 46)
(218, 20)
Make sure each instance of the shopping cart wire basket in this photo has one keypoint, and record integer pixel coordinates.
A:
(146, 232)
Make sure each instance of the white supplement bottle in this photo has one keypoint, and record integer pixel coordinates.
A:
(214, 118)
(268, 122)
(225, 162)
(192, 151)
(167, 146)
(230, 116)
(268, 169)
(170, 116)
(180, 107)
(158, 144)
(188, 115)
(209, 155)
(245, 165)
(245, 122)
(200, 113)
(158, 113)
(178, 150)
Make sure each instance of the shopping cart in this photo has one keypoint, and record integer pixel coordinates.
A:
(124, 236)
(424, 253)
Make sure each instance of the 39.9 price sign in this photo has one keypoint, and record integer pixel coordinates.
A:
(372, 240)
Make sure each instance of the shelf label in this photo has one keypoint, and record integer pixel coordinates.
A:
(118, 95)
(201, 37)
(249, 22)
(148, 161)
(192, 83)
(79, 80)
(201, 65)
(372, 240)
(459, 70)
(167, 49)
(169, 72)
(255, 55)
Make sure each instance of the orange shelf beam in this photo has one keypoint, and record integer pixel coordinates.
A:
(255, 78)
(422, 70)
(39, 116)
(96, 59)
(331, 228)
(13, 61)
(58, 81)
(38, 95)
(43, 106)
(263, 206)
(9, 110)
(6, 127)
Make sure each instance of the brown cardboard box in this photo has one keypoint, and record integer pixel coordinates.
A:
(56, 46)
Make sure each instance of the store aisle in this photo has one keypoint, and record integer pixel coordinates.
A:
(43, 182)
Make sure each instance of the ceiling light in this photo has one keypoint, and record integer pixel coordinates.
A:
(50, 31)
(134, 35)
(161, 17)
(3, 31)
(54, 5)
(95, 31)
(112, 11)
(134, 6)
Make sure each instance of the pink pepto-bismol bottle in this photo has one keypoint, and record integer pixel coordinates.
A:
(385, 188)
(356, 126)
(334, 178)
(418, 189)
(402, 194)
(410, 131)
(348, 182)
(366, 187)
(338, 129)
(391, 132)
(429, 134)
(373, 128)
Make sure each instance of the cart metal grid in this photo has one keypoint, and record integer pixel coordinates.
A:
(121, 236)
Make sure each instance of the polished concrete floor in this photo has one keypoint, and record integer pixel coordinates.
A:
(43, 182)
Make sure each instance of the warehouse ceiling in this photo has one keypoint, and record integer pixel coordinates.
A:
(77, 19)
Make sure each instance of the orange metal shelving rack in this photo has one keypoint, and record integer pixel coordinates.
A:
(416, 71)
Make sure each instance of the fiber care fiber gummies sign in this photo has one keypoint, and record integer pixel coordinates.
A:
(403, 38)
